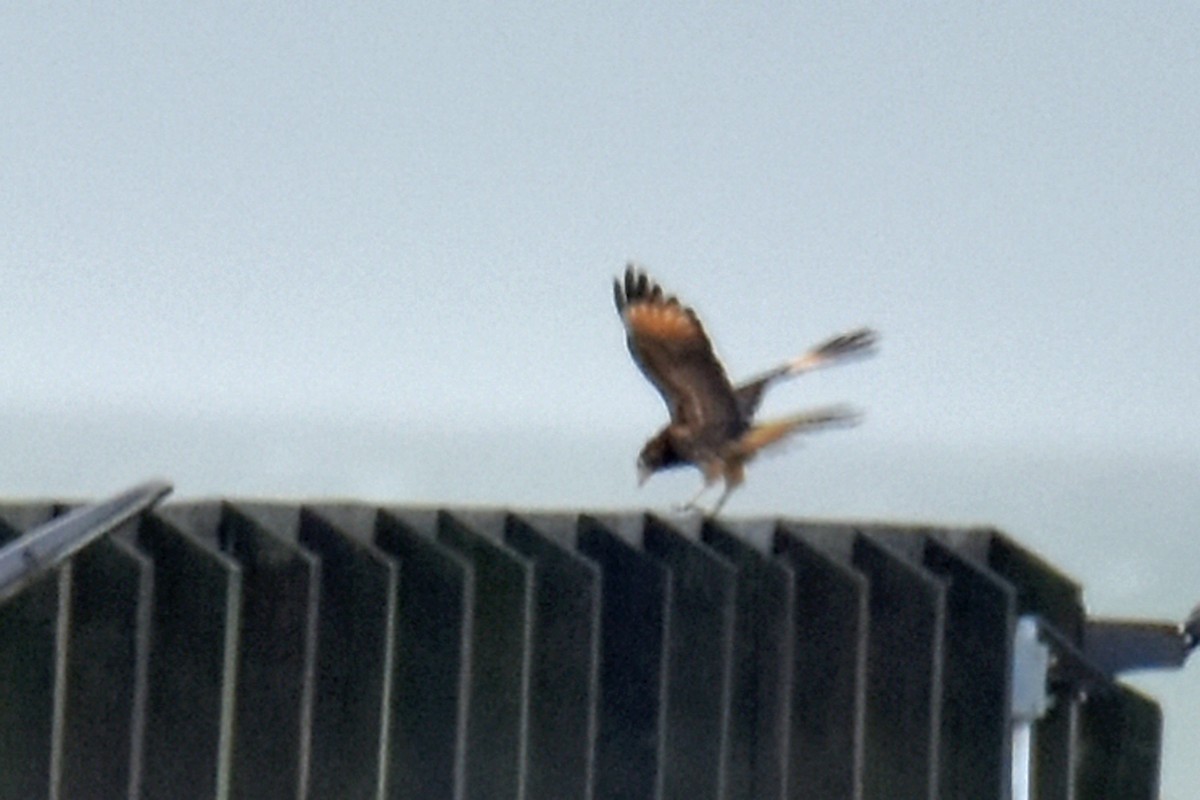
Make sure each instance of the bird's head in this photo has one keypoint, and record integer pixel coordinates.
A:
(657, 454)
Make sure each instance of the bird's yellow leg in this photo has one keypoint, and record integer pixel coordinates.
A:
(712, 472)
(721, 500)
(694, 503)
(735, 473)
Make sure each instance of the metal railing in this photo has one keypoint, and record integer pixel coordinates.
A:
(270, 650)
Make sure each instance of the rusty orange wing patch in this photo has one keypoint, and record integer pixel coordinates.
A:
(664, 321)
(671, 348)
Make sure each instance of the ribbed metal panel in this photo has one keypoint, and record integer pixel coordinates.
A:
(108, 644)
(502, 605)
(192, 676)
(699, 662)
(762, 669)
(976, 671)
(635, 632)
(30, 694)
(829, 669)
(431, 695)
(563, 666)
(279, 650)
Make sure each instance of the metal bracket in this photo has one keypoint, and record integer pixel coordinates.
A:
(1046, 664)
(1116, 646)
(44, 547)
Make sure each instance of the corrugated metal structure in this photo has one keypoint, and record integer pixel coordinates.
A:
(351, 652)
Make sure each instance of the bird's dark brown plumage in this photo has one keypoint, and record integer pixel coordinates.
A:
(711, 420)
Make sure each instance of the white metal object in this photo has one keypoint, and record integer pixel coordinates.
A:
(1030, 700)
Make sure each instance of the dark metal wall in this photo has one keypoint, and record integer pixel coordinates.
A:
(346, 652)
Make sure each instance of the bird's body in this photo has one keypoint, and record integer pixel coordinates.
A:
(712, 425)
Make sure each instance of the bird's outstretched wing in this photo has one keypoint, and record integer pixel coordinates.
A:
(671, 348)
(765, 434)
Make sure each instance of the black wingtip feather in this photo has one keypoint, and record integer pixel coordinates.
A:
(637, 286)
(630, 283)
(861, 341)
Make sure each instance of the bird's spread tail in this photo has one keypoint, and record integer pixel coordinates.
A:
(838, 350)
(765, 434)
(855, 344)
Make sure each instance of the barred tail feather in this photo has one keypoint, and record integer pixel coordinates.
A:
(845, 347)
(855, 344)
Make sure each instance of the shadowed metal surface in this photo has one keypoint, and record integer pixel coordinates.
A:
(355, 642)
(433, 660)
(700, 662)
(276, 645)
(829, 670)
(192, 670)
(108, 648)
(634, 622)
(977, 658)
(761, 681)
(904, 674)
(230, 649)
(564, 663)
(29, 625)
(500, 633)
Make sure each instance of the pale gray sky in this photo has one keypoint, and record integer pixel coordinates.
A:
(409, 218)
(415, 214)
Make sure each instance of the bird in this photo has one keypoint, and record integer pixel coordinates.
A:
(712, 421)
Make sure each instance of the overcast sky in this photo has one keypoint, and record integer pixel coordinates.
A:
(413, 215)
(410, 218)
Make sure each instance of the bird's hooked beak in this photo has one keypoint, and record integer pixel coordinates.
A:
(644, 472)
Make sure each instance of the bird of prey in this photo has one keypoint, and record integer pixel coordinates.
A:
(712, 424)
